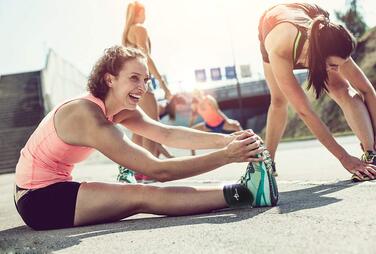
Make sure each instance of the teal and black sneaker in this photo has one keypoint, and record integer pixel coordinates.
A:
(370, 158)
(259, 179)
(126, 175)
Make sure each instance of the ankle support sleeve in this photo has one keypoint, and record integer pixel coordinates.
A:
(237, 195)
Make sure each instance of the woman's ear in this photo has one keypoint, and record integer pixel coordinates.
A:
(108, 79)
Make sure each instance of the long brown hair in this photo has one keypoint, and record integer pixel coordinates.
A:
(132, 11)
(326, 39)
(111, 62)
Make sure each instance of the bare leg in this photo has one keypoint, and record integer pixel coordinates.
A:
(162, 150)
(354, 109)
(150, 106)
(102, 202)
(201, 127)
(277, 113)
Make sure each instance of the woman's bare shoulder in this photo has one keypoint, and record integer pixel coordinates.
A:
(281, 39)
(80, 110)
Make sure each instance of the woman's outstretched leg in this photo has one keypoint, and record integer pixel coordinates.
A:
(102, 202)
(354, 109)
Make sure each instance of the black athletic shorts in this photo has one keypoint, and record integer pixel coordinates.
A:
(50, 207)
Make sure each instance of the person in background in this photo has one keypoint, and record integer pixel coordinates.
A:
(136, 35)
(215, 120)
(301, 36)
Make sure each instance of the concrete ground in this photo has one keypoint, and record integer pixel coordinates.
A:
(320, 211)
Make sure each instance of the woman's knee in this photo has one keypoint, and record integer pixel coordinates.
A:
(341, 94)
(147, 197)
(278, 102)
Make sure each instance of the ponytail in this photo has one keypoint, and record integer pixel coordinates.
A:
(317, 76)
(326, 39)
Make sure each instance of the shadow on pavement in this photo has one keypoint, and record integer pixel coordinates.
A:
(23, 239)
(307, 198)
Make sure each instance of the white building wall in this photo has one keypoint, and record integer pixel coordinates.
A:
(60, 81)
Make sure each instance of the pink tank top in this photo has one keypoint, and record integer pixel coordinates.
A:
(46, 159)
(209, 113)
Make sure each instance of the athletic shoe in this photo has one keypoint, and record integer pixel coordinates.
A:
(370, 158)
(126, 175)
(260, 181)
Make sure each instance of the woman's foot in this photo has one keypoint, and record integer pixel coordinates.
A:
(260, 181)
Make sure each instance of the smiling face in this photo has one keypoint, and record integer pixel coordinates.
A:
(127, 88)
(334, 62)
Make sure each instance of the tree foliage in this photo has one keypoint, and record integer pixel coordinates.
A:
(353, 19)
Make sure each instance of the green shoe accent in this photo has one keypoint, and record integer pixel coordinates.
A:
(126, 175)
(260, 181)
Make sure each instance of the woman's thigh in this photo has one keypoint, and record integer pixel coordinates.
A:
(339, 88)
(105, 202)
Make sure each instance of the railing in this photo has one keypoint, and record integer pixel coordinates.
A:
(248, 89)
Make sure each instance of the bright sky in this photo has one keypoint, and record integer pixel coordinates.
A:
(185, 34)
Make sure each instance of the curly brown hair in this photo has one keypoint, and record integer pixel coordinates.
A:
(111, 62)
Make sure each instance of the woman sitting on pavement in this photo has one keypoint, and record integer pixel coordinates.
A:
(47, 198)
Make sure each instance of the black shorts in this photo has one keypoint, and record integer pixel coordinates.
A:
(50, 207)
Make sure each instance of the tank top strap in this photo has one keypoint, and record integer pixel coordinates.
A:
(92, 98)
(100, 103)
(299, 41)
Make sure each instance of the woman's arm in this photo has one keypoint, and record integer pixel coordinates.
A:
(142, 42)
(280, 56)
(351, 71)
(299, 101)
(175, 136)
(283, 73)
(84, 124)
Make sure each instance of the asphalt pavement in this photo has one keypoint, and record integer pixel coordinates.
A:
(320, 211)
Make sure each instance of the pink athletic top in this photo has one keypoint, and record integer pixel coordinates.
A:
(208, 112)
(46, 159)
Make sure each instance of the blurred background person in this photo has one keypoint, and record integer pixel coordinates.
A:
(215, 120)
